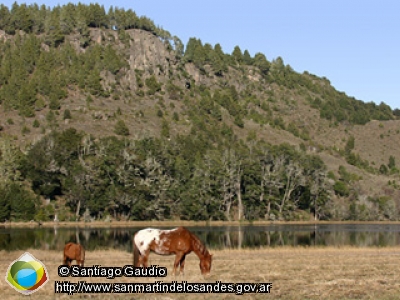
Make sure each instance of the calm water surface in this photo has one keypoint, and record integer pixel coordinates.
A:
(215, 237)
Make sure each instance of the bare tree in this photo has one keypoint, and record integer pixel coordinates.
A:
(271, 181)
(159, 182)
(231, 182)
(318, 186)
(227, 194)
(238, 188)
(205, 176)
(294, 179)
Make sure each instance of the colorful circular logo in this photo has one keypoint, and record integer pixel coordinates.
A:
(27, 274)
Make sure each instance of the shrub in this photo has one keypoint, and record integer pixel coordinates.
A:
(67, 114)
(17, 203)
(121, 128)
(36, 124)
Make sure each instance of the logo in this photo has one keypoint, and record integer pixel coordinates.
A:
(27, 274)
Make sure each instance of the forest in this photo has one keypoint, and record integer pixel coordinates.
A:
(209, 173)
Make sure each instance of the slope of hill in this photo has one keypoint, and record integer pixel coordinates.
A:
(254, 129)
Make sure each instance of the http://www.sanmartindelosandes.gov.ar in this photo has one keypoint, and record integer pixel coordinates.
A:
(27, 274)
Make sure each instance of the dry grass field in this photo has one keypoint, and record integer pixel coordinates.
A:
(295, 273)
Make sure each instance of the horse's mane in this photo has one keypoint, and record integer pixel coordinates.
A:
(197, 244)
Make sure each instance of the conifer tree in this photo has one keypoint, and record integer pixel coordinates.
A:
(190, 50)
(21, 18)
(218, 61)
(247, 58)
(237, 55)
(67, 18)
(262, 63)
(4, 17)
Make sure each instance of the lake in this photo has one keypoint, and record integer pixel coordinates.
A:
(215, 237)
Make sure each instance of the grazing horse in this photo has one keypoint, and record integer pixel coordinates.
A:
(178, 241)
(72, 252)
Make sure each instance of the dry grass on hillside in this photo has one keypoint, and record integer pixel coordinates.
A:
(295, 273)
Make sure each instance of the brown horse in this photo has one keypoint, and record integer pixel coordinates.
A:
(72, 252)
(178, 241)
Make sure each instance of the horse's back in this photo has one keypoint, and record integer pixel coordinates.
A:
(68, 245)
(67, 248)
(181, 233)
(163, 241)
(143, 238)
(73, 250)
(179, 239)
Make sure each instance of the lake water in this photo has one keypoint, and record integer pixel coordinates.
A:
(215, 237)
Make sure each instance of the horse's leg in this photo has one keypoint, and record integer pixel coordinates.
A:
(79, 260)
(145, 258)
(178, 258)
(182, 263)
(140, 261)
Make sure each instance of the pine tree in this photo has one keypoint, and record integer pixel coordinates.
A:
(237, 54)
(26, 100)
(190, 50)
(54, 35)
(5, 205)
(96, 15)
(4, 17)
(262, 63)
(67, 18)
(21, 18)
(218, 61)
(93, 83)
(247, 58)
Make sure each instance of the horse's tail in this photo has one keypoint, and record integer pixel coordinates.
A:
(136, 253)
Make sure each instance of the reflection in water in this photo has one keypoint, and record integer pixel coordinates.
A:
(215, 237)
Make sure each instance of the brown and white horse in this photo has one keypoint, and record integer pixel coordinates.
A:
(178, 241)
(72, 252)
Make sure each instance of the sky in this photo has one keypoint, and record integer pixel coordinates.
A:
(353, 43)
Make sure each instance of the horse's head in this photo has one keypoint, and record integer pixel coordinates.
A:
(205, 264)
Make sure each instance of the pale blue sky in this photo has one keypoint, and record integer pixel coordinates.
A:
(353, 43)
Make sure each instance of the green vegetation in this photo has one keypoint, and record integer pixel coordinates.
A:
(198, 166)
(121, 128)
(203, 182)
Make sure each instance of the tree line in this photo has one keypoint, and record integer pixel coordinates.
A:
(179, 178)
(158, 179)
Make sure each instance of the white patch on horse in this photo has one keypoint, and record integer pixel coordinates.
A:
(161, 248)
(168, 230)
(144, 237)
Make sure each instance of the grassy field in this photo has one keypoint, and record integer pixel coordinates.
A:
(295, 273)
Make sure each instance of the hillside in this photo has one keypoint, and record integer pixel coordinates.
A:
(267, 141)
